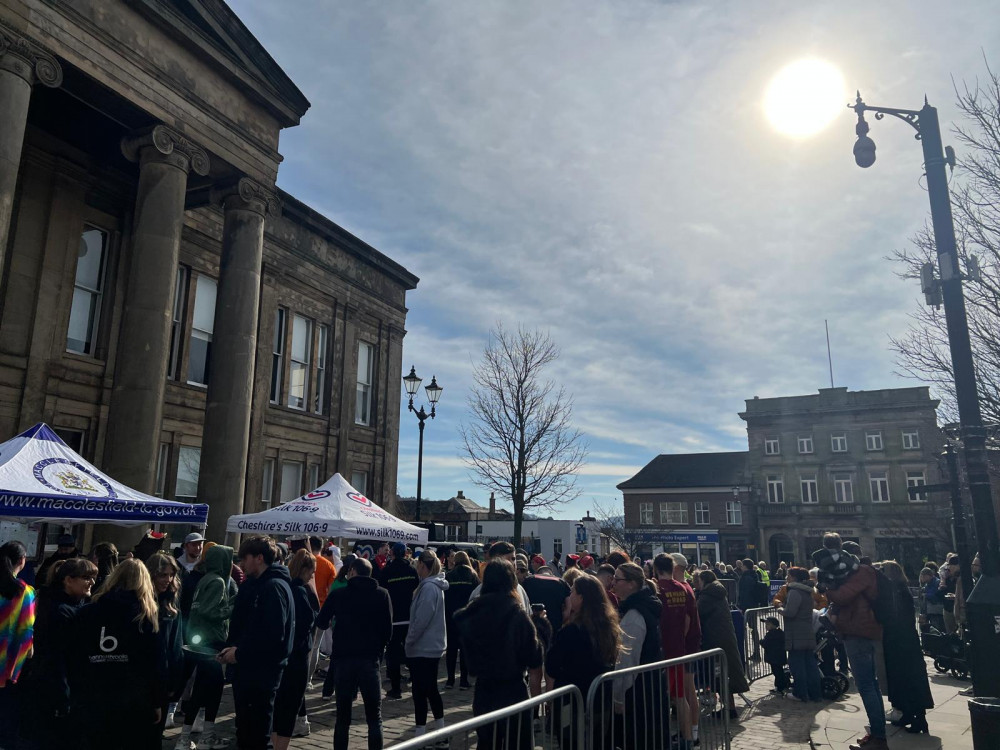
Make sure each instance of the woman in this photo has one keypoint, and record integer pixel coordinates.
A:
(115, 690)
(426, 640)
(17, 623)
(105, 557)
(208, 627)
(717, 631)
(931, 604)
(292, 690)
(499, 643)
(164, 571)
(46, 681)
(462, 579)
(781, 573)
(800, 639)
(640, 610)
(905, 667)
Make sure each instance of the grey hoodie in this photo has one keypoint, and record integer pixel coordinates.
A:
(426, 637)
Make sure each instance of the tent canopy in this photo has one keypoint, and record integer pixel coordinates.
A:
(333, 509)
(43, 479)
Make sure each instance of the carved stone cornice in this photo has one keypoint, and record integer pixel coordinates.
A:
(166, 142)
(24, 57)
(247, 194)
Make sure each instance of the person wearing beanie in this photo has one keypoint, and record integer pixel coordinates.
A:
(585, 562)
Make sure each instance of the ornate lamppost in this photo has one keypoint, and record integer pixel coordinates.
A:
(412, 383)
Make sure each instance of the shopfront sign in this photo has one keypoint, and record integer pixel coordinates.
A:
(899, 534)
(676, 536)
(821, 532)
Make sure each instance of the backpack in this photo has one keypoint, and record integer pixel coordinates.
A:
(883, 606)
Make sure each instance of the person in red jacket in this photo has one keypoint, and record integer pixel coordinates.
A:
(678, 613)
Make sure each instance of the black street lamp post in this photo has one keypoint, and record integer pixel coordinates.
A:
(412, 383)
(983, 602)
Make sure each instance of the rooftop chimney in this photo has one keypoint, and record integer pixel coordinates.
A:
(493, 504)
(460, 496)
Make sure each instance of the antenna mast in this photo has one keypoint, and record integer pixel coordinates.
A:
(829, 356)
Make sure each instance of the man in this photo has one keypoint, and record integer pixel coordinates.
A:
(261, 635)
(400, 580)
(501, 551)
(692, 644)
(191, 550)
(65, 550)
(747, 589)
(547, 588)
(537, 563)
(521, 568)
(852, 595)
(679, 611)
(555, 564)
(363, 612)
(606, 575)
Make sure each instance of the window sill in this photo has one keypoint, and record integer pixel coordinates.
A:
(85, 359)
(297, 412)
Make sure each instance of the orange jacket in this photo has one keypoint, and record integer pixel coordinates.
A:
(819, 601)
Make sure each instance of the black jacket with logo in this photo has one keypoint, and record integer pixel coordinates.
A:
(263, 626)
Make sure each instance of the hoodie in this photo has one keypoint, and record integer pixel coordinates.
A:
(212, 606)
(362, 613)
(263, 626)
(426, 637)
(498, 639)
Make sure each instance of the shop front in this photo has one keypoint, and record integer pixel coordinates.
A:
(697, 546)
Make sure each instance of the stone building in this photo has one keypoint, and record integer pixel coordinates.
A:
(694, 503)
(843, 461)
(453, 514)
(190, 328)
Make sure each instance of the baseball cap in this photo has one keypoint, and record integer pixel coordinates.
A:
(194, 536)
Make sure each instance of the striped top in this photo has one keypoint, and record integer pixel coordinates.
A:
(17, 627)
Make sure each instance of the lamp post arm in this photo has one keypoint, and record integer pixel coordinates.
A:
(910, 116)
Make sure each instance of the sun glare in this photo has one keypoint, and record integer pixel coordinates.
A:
(804, 97)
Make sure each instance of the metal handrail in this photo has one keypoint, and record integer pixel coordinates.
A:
(464, 727)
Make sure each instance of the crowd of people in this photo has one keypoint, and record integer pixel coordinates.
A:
(108, 650)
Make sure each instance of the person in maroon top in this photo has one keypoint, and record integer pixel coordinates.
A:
(679, 611)
(606, 575)
(692, 645)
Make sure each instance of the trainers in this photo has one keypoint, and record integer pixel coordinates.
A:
(302, 727)
(795, 698)
(212, 741)
(185, 744)
(393, 695)
(199, 723)
(870, 743)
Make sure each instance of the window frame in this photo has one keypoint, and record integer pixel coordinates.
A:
(841, 480)
(873, 440)
(320, 356)
(912, 437)
(775, 489)
(808, 440)
(646, 514)
(162, 468)
(94, 324)
(267, 481)
(305, 366)
(702, 509)
(278, 343)
(911, 481)
(180, 460)
(679, 510)
(365, 390)
(281, 486)
(879, 478)
(838, 436)
(363, 489)
(810, 481)
(772, 446)
(193, 328)
(734, 509)
(178, 322)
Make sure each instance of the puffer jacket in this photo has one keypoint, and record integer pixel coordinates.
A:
(212, 606)
(799, 634)
(854, 615)
(426, 637)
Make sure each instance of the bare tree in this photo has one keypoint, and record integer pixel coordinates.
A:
(923, 352)
(613, 526)
(519, 441)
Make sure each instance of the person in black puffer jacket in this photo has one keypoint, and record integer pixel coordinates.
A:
(115, 689)
(289, 701)
(499, 643)
(462, 579)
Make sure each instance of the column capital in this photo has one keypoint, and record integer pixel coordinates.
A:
(167, 142)
(23, 56)
(249, 195)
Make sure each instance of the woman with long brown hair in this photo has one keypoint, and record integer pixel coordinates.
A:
(165, 572)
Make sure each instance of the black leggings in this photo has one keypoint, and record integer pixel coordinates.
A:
(423, 676)
(455, 653)
(206, 692)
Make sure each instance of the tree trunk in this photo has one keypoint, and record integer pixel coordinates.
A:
(518, 520)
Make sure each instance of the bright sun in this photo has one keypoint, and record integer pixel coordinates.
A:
(804, 97)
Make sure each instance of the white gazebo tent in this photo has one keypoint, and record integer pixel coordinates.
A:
(334, 509)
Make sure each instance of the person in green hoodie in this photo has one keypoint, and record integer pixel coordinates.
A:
(208, 627)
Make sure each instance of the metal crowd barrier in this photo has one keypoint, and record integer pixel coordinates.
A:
(754, 629)
(551, 721)
(641, 708)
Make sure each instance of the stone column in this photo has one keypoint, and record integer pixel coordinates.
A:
(226, 437)
(165, 157)
(22, 63)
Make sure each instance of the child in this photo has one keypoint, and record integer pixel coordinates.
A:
(774, 653)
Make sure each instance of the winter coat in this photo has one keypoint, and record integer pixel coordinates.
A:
(498, 640)
(853, 597)
(773, 644)
(461, 582)
(212, 606)
(819, 601)
(717, 631)
(640, 623)
(573, 659)
(400, 579)
(933, 603)
(797, 612)
(169, 656)
(363, 613)
(45, 673)
(748, 590)
(905, 667)
(306, 609)
(263, 626)
(427, 635)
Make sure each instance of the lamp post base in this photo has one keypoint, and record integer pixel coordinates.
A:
(983, 611)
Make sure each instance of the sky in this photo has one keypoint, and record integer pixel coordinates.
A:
(602, 170)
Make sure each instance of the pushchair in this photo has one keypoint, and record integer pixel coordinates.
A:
(833, 684)
(949, 652)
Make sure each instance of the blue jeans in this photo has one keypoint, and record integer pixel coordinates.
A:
(355, 673)
(861, 655)
(805, 675)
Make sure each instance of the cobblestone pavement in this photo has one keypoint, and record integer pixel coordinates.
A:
(768, 723)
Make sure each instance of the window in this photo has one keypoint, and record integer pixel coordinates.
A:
(734, 513)
(162, 458)
(451, 532)
(911, 440)
(75, 439)
(805, 444)
(359, 481)
(363, 407)
(772, 447)
(298, 374)
(701, 517)
(843, 488)
(291, 481)
(557, 546)
(188, 466)
(88, 290)
(775, 489)
(838, 442)
(202, 325)
(916, 479)
(646, 514)
(873, 441)
(673, 513)
(177, 323)
(319, 398)
(278, 356)
(880, 486)
(314, 477)
(809, 487)
(267, 483)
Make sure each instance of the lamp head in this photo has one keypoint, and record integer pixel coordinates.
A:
(864, 152)
(412, 382)
(433, 391)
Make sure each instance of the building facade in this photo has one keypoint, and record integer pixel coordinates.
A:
(545, 536)
(178, 319)
(453, 515)
(695, 504)
(845, 461)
